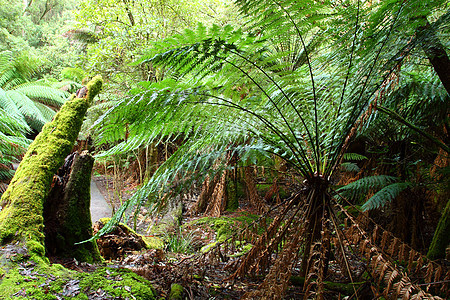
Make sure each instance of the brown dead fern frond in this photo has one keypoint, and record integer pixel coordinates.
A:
(380, 265)
(252, 192)
(260, 251)
(276, 282)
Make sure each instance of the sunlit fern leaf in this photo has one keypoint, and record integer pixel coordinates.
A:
(8, 105)
(12, 125)
(28, 109)
(22, 98)
(73, 74)
(385, 195)
(13, 144)
(68, 86)
(84, 36)
(43, 94)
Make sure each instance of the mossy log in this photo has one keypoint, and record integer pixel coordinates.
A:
(67, 216)
(21, 217)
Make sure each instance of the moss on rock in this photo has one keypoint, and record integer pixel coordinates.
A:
(29, 280)
(43, 282)
(226, 226)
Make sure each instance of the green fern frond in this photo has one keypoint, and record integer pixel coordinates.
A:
(43, 94)
(73, 74)
(354, 156)
(363, 186)
(12, 125)
(350, 167)
(83, 36)
(27, 108)
(22, 98)
(385, 195)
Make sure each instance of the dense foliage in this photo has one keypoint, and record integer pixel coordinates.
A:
(349, 98)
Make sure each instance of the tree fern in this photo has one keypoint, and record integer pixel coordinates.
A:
(20, 96)
(232, 80)
(12, 143)
(228, 91)
(24, 105)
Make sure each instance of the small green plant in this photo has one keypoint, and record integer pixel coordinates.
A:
(179, 242)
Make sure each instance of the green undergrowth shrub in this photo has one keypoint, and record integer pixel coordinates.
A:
(179, 241)
(225, 227)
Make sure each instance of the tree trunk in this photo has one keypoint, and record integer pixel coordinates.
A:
(436, 53)
(441, 238)
(252, 191)
(21, 217)
(67, 216)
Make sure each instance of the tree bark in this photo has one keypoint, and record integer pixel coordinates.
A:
(441, 238)
(436, 54)
(21, 217)
(67, 216)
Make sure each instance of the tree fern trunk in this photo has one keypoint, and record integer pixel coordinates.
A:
(441, 238)
(436, 53)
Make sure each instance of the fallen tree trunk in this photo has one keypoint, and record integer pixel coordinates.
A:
(21, 217)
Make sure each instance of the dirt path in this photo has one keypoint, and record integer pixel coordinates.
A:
(99, 207)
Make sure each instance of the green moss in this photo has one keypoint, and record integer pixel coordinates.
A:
(153, 242)
(441, 238)
(208, 247)
(244, 249)
(21, 218)
(176, 292)
(232, 196)
(74, 215)
(30, 281)
(42, 282)
(226, 226)
(117, 283)
(35, 248)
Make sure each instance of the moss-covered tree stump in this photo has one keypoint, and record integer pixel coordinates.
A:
(21, 217)
(67, 216)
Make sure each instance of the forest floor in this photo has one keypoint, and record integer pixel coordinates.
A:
(183, 259)
(184, 245)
